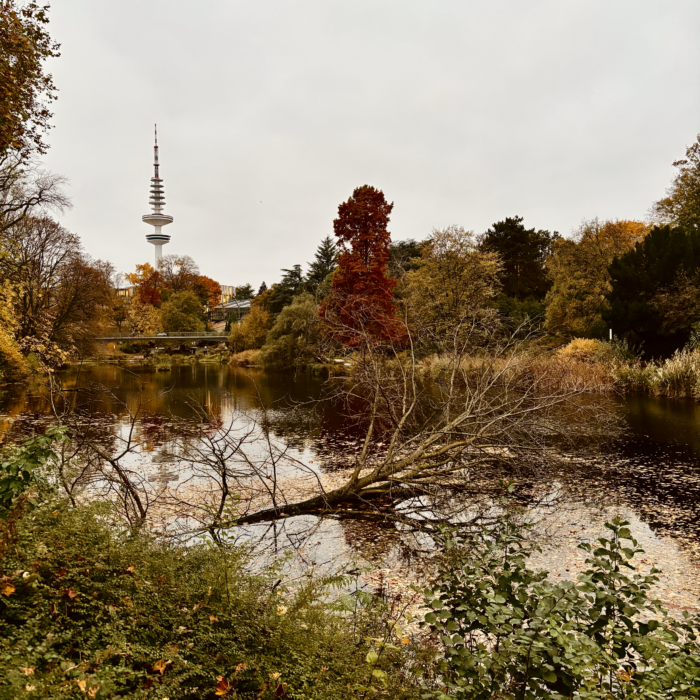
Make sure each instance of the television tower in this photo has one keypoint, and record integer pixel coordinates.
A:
(157, 219)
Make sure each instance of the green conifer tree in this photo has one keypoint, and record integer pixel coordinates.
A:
(323, 264)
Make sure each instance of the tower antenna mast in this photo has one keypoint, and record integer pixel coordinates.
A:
(157, 218)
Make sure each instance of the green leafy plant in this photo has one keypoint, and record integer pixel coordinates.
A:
(509, 632)
(21, 466)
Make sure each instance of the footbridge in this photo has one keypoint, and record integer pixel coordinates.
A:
(126, 337)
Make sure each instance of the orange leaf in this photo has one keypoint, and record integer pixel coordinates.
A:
(222, 687)
(93, 691)
(405, 640)
(161, 665)
(71, 593)
(213, 618)
(127, 602)
(130, 568)
(8, 589)
(28, 670)
(82, 685)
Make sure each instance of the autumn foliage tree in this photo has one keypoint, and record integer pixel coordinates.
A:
(361, 305)
(578, 270)
(26, 90)
(148, 282)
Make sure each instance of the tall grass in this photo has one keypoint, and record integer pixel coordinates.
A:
(678, 376)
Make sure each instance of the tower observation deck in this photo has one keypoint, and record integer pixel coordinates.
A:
(157, 218)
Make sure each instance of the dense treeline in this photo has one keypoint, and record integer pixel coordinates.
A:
(638, 280)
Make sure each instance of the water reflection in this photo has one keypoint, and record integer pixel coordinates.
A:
(653, 472)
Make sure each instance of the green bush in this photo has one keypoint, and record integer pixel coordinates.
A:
(294, 339)
(90, 609)
(508, 632)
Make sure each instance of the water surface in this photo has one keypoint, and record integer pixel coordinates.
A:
(651, 475)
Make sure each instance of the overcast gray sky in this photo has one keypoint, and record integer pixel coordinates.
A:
(271, 112)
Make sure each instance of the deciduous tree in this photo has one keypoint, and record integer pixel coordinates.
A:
(143, 319)
(252, 330)
(12, 362)
(208, 290)
(178, 272)
(62, 296)
(361, 301)
(148, 282)
(578, 269)
(403, 256)
(681, 205)
(26, 89)
(294, 340)
(451, 291)
(183, 313)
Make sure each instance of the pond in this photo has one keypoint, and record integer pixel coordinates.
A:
(651, 475)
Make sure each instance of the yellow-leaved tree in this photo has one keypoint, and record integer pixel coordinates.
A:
(452, 289)
(143, 319)
(251, 332)
(12, 362)
(578, 269)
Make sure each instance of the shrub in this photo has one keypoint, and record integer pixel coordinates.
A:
(162, 363)
(90, 609)
(247, 358)
(581, 350)
(509, 632)
(293, 341)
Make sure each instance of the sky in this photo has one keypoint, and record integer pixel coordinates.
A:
(270, 114)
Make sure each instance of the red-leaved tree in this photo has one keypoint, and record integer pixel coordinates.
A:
(360, 307)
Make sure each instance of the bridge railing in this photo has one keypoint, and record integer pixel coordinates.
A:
(165, 336)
